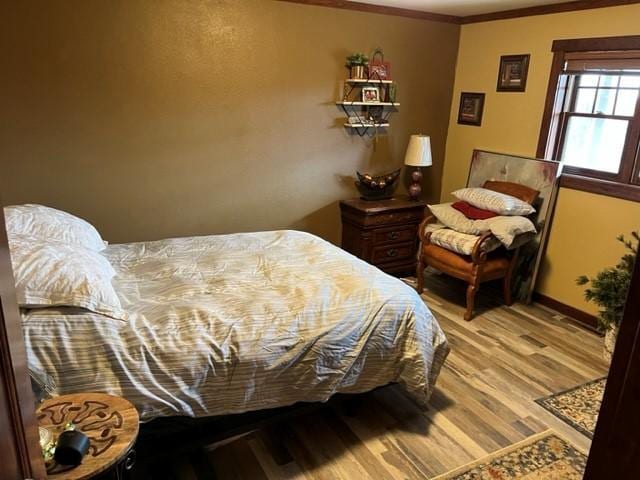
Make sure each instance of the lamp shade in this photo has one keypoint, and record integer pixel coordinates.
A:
(419, 151)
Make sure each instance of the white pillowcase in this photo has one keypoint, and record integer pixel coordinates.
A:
(61, 274)
(507, 229)
(49, 224)
(456, 220)
(504, 228)
(497, 202)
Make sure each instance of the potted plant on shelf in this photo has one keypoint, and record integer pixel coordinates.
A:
(609, 290)
(356, 64)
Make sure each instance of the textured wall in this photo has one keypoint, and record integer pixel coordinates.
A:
(585, 225)
(170, 118)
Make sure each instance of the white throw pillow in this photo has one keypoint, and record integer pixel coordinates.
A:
(504, 228)
(494, 201)
(456, 220)
(49, 224)
(61, 274)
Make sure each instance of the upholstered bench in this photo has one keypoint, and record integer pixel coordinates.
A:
(473, 259)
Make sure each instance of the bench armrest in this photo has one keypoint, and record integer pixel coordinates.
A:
(424, 236)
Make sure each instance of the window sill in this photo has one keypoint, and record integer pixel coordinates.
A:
(601, 187)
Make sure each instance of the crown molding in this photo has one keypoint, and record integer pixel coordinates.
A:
(384, 10)
(545, 10)
(485, 17)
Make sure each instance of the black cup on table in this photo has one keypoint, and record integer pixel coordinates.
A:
(71, 447)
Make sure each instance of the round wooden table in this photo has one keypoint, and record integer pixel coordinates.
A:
(110, 422)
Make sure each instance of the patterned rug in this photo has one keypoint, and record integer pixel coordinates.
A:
(544, 456)
(578, 406)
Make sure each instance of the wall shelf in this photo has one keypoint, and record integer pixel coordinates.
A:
(368, 81)
(367, 118)
(370, 104)
(366, 125)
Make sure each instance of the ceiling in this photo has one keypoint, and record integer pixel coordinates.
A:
(462, 8)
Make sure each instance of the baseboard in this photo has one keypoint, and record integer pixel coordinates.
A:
(584, 318)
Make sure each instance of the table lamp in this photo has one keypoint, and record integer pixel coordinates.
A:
(418, 155)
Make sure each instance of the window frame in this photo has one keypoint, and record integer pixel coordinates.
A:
(624, 184)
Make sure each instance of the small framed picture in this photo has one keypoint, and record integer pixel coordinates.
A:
(512, 76)
(471, 107)
(370, 94)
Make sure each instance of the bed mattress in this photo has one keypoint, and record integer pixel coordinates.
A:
(230, 323)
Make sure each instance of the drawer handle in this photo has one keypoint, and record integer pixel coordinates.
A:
(392, 252)
(392, 235)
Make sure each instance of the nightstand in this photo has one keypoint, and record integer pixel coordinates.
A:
(110, 422)
(383, 232)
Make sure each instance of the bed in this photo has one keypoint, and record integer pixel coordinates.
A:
(224, 324)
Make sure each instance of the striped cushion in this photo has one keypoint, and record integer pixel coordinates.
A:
(461, 243)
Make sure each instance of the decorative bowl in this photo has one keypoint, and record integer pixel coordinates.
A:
(377, 187)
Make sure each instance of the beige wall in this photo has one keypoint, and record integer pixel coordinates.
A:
(170, 118)
(585, 226)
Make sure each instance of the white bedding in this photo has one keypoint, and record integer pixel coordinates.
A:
(231, 323)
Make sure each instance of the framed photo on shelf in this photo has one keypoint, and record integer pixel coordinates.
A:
(512, 75)
(370, 94)
(471, 108)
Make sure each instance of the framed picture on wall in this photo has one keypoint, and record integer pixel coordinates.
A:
(512, 75)
(471, 107)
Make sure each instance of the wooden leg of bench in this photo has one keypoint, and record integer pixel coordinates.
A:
(471, 298)
(506, 283)
(506, 290)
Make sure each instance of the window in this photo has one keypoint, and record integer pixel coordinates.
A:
(592, 115)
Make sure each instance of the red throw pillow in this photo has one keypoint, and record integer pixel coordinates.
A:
(473, 213)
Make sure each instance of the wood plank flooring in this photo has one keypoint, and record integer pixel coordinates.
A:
(499, 363)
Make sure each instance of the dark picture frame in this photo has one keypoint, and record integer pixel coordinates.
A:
(471, 108)
(512, 74)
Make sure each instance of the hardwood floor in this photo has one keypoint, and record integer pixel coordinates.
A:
(499, 364)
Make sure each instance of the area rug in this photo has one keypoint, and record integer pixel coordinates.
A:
(544, 456)
(578, 406)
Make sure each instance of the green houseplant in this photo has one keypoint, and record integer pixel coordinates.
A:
(356, 64)
(608, 289)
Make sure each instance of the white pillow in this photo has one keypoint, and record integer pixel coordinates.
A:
(494, 201)
(504, 228)
(46, 223)
(61, 274)
(456, 220)
(507, 229)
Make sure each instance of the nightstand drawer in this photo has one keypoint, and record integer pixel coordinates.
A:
(399, 234)
(396, 217)
(392, 253)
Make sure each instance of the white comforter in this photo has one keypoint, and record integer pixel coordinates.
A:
(230, 323)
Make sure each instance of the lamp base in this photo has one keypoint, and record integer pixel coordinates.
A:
(415, 189)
